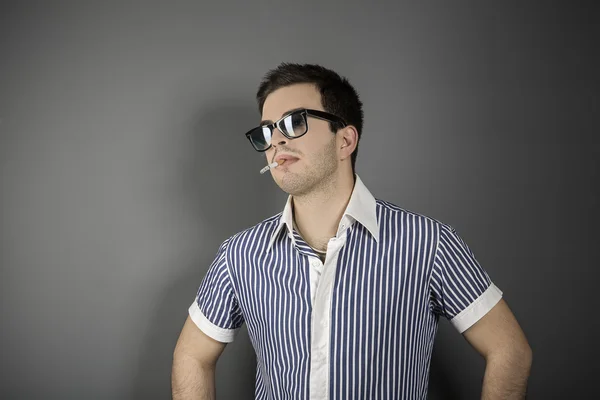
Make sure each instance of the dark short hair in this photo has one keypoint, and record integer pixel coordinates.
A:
(338, 96)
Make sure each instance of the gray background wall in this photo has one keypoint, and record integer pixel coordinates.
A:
(123, 166)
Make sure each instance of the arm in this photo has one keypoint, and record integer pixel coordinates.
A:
(498, 337)
(194, 363)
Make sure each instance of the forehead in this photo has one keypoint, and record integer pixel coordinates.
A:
(303, 95)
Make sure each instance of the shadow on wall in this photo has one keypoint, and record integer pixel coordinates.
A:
(225, 196)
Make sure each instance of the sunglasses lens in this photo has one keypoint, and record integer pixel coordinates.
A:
(294, 124)
(261, 138)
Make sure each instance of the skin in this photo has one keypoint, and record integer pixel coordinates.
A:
(321, 183)
(194, 364)
(499, 339)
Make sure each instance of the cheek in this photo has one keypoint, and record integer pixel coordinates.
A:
(320, 139)
(323, 153)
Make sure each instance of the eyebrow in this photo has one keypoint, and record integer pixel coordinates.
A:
(269, 122)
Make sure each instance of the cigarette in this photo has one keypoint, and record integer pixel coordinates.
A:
(272, 165)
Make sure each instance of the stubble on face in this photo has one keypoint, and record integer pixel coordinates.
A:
(317, 173)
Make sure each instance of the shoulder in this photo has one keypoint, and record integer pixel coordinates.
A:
(388, 212)
(258, 233)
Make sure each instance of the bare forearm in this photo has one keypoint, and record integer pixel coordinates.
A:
(506, 376)
(190, 380)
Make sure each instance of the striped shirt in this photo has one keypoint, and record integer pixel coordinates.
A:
(360, 326)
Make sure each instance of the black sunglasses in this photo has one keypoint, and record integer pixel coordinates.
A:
(292, 125)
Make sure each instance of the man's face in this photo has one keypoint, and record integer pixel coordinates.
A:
(316, 153)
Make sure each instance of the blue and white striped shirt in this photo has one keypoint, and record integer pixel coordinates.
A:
(362, 326)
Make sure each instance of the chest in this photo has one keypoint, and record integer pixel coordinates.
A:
(365, 284)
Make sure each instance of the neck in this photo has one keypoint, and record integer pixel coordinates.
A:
(318, 214)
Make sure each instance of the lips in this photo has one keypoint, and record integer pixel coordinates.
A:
(285, 163)
(285, 159)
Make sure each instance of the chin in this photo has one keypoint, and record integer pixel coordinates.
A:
(294, 185)
(286, 182)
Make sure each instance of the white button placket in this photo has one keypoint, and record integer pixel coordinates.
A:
(321, 318)
(316, 270)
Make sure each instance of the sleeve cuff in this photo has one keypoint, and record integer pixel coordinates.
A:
(219, 334)
(484, 303)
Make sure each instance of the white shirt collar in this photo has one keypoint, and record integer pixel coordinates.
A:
(361, 207)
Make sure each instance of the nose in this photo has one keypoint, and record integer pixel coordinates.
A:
(277, 137)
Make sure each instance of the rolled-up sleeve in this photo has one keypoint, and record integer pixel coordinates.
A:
(460, 288)
(216, 310)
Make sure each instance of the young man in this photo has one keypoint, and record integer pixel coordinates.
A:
(341, 292)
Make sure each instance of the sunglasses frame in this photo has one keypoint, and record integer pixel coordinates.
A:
(325, 116)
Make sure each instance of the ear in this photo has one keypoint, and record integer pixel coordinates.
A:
(349, 141)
